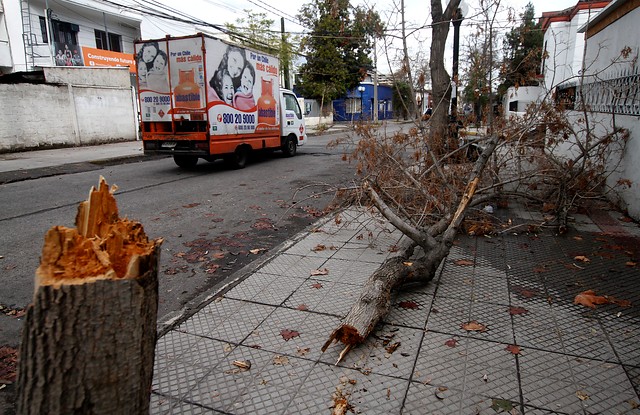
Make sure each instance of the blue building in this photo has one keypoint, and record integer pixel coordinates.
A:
(358, 104)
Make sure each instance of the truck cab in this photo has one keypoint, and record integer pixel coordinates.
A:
(293, 132)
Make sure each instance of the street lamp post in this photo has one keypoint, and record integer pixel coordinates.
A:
(361, 90)
(457, 21)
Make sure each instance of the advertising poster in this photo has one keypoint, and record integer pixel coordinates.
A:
(100, 57)
(68, 55)
(186, 63)
(153, 81)
(242, 89)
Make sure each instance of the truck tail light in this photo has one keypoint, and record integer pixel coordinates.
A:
(301, 138)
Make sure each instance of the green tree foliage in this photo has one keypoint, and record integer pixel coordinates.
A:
(337, 48)
(523, 52)
(401, 99)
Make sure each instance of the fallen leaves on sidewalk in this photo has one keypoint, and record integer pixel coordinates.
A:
(322, 271)
(463, 262)
(317, 285)
(288, 334)
(590, 299)
(513, 349)
(582, 395)
(474, 326)
(451, 342)
(409, 305)
(582, 258)
(514, 311)
(280, 360)
(240, 366)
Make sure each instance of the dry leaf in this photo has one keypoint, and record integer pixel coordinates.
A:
(322, 271)
(410, 305)
(463, 262)
(474, 326)
(302, 307)
(280, 360)
(408, 264)
(392, 348)
(257, 251)
(451, 343)
(319, 248)
(582, 258)
(582, 395)
(317, 285)
(514, 311)
(590, 299)
(242, 364)
(631, 264)
(218, 255)
(288, 334)
(302, 351)
(577, 238)
(513, 349)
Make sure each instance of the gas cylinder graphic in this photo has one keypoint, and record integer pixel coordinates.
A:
(267, 104)
(187, 93)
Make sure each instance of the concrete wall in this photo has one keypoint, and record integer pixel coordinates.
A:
(71, 113)
(604, 62)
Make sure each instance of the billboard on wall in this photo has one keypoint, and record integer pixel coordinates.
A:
(100, 57)
(68, 55)
(242, 89)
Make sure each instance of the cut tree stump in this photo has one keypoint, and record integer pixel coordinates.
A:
(88, 341)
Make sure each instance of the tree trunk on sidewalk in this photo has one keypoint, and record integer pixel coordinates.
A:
(89, 337)
(375, 299)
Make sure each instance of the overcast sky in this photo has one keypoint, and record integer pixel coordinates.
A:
(417, 16)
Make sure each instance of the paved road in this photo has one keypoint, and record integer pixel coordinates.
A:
(210, 218)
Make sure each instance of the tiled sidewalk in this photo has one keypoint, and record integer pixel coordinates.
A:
(572, 359)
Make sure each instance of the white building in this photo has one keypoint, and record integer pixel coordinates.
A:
(608, 95)
(563, 45)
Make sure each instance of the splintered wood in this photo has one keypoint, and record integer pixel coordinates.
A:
(103, 246)
(88, 341)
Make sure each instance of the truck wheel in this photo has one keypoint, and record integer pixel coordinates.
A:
(186, 162)
(238, 160)
(290, 147)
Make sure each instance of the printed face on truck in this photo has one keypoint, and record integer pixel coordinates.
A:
(235, 63)
(149, 52)
(159, 63)
(227, 89)
(246, 82)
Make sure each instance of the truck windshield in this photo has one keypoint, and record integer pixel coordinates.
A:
(291, 104)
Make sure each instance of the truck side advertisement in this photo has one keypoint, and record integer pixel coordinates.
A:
(153, 81)
(236, 89)
(242, 86)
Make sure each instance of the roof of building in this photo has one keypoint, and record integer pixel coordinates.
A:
(568, 14)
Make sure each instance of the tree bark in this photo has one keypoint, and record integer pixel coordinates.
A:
(440, 79)
(88, 342)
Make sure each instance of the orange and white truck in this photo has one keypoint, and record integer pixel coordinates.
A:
(201, 97)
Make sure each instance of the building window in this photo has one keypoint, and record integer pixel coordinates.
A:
(65, 40)
(353, 105)
(64, 33)
(43, 30)
(113, 43)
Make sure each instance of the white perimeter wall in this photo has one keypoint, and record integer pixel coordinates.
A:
(68, 113)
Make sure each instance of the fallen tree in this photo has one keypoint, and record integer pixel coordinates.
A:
(435, 241)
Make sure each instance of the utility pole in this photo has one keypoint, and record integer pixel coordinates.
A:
(285, 55)
(375, 82)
